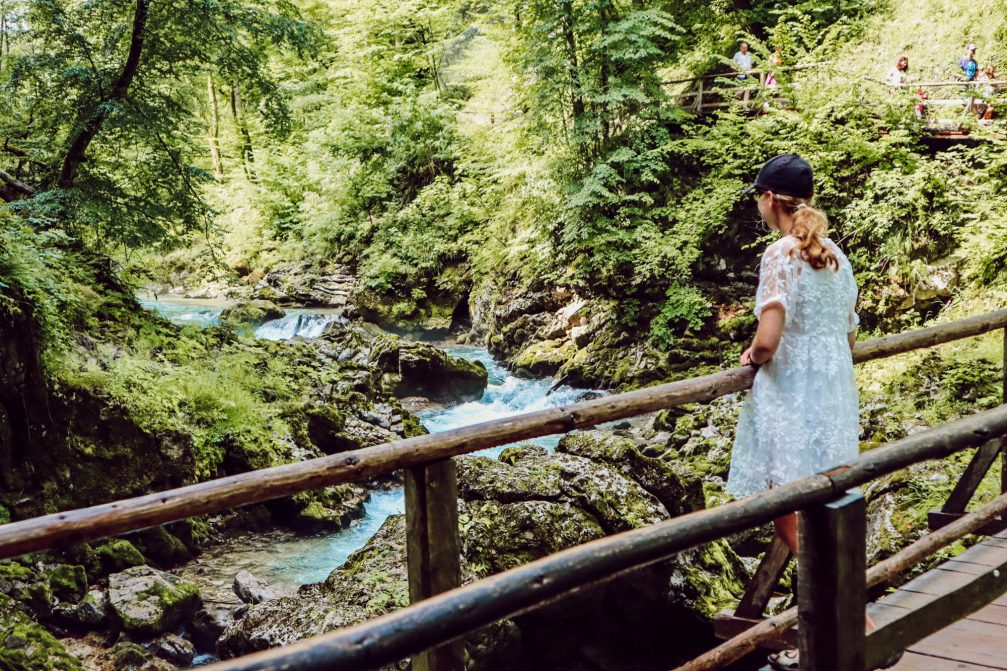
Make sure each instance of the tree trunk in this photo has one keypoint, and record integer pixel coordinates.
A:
(573, 67)
(214, 128)
(79, 142)
(247, 153)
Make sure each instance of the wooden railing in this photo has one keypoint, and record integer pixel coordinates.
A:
(427, 629)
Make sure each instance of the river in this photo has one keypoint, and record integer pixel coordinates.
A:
(286, 559)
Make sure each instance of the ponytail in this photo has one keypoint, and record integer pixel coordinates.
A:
(810, 225)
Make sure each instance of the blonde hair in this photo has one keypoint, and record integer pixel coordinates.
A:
(810, 225)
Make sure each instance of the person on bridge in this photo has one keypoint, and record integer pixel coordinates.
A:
(801, 415)
(968, 63)
(743, 62)
(899, 74)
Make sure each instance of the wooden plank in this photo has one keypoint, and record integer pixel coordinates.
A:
(992, 613)
(767, 577)
(967, 641)
(432, 549)
(832, 565)
(937, 519)
(914, 661)
(956, 595)
(973, 476)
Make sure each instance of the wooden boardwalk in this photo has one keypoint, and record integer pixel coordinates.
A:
(978, 642)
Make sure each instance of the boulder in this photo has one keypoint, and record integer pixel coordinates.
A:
(150, 602)
(425, 370)
(252, 590)
(525, 505)
(93, 609)
(250, 313)
(174, 649)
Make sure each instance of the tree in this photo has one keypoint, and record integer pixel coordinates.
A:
(96, 125)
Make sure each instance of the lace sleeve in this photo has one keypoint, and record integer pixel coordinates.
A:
(776, 278)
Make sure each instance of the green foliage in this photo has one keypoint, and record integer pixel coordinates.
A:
(684, 307)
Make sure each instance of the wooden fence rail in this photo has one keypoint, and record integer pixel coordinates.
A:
(85, 524)
(397, 635)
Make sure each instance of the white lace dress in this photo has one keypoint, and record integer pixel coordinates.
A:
(801, 416)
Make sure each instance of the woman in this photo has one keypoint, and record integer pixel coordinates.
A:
(801, 416)
(899, 75)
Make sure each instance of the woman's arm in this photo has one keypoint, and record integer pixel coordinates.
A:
(767, 336)
(852, 336)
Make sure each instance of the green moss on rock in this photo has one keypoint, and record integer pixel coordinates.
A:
(68, 582)
(118, 555)
(26, 646)
(251, 313)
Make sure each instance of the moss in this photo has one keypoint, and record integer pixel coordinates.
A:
(5, 516)
(118, 555)
(68, 582)
(161, 546)
(26, 646)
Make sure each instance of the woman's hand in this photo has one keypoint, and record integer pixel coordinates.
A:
(746, 357)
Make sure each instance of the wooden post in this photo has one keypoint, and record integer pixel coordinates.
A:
(767, 576)
(1003, 452)
(432, 549)
(832, 565)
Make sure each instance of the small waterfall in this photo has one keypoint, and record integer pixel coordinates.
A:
(298, 324)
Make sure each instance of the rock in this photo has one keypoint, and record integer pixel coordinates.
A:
(252, 590)
(678, 490)
(309, 285)
(26, 646)
(174, 649)
(68, 582)
(118, 555)
(27, 587)
(93, 609)
(251, 313)
(162, 547)
(208, 624)
(128, 655)
(149, 602)
(425, 370)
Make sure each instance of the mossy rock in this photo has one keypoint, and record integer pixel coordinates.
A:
(251, 313)
(26, 646)
(68, 582)
(118, 555)
(150, 602)
(678, 489)
(162, 547)
(27, 587)
(425, 370)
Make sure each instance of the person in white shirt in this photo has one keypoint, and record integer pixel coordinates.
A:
(743, 62)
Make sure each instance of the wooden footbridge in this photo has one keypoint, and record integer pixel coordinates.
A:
(950, 109)
(951, 618)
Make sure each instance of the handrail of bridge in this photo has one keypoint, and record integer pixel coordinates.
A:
(754, 71)
(389, 638)
(431, 491)
(212, 496)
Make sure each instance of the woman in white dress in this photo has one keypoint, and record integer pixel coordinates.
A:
(801, 416)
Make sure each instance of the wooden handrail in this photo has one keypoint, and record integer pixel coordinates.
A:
(735, 73)
(76, 526)
(397, 635)
(769, 629)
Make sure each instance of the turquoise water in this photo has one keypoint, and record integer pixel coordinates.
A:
(290, 560)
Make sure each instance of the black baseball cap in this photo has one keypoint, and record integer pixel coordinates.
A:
(787, 175)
